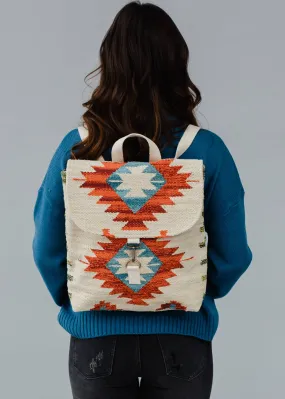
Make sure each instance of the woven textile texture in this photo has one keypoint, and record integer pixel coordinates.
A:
(161, 204)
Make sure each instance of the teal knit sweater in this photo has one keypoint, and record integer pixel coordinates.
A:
(228, 252)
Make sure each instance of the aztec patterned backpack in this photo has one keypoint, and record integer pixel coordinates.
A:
(135, 231)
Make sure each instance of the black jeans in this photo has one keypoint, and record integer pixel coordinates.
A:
(170, 366)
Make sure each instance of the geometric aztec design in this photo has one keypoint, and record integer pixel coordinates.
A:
(136, 191)
(122, 182)
(158, 265)
(173, 305)
(148, 260)
(104, 306)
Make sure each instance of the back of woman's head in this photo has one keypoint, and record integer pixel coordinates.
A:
(144, 84)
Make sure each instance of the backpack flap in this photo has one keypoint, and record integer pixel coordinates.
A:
(135, 199)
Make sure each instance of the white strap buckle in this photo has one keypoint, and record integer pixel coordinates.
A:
(133, 265)
(134, 274)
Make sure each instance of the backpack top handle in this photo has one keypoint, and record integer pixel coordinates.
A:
(118, 154)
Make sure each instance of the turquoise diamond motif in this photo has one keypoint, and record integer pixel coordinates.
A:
(150, 265)
(136, 183)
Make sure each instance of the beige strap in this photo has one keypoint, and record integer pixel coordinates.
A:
(83, 133)
(117, 149)
(186, 140)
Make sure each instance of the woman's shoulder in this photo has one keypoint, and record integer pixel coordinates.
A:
(63, 152)
(67, 142)
(207, 139)
(211, 148)
(71, 138)
(206, 143)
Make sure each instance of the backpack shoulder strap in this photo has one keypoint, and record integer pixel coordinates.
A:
(186, 139)
(83, 133)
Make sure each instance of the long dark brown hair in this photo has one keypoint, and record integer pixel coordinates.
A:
(144, 84)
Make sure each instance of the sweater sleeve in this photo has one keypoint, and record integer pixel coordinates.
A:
(228, 252)
(49, 243)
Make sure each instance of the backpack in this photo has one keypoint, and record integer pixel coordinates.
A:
(135, 231)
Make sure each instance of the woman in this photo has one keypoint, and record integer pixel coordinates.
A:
(144, 87)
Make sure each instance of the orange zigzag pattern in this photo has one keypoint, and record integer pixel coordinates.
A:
(175, 181)
(169, 261)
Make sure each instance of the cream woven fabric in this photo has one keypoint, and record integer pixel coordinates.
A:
(135, 234)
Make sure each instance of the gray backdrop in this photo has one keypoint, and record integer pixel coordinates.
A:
(237, 49)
